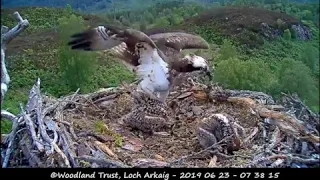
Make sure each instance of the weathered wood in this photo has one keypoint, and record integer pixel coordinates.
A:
(148, 163)
(284, 121)
(6, 38)
(68, 147)
(32, 130)
(200, 152)
(26, 147)
(103, 162)
(8, 115)
(11, 141)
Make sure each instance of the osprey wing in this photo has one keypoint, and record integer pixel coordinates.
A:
(120, 42)
(96, 39)
(179, 41)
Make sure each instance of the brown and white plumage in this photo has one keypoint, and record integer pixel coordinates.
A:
(216, 127)
(173, 42)
(153, 56)
(148, 115)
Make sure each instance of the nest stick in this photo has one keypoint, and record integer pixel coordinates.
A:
(31, 128)
(11, 138)
(200, 152)
(284, 121)
(103, 162)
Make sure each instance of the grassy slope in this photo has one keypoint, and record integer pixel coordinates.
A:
(239, 23)
(242, 26)
(214, 27)
(34, 54)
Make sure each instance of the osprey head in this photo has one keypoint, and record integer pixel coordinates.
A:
(143, 49)
(198, 63)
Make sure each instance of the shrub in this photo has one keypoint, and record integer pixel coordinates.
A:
(76, 67)
(287, 34)
(280, 24)
(296, 77)
(226, 51)
(310, 57)
(249, 75)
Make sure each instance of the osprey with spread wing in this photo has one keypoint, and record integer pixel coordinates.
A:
(154, 57)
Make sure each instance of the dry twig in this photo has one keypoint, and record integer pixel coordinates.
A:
(200, 152)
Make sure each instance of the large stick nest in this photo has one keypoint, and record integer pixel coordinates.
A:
(87, 130)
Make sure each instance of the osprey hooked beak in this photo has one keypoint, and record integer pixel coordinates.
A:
(200, 63)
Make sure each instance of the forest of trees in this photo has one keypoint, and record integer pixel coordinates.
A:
(95, 5)
(285, 64)
(170, 10)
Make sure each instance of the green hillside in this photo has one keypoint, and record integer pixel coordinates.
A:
(252, 57)
(41, 50)
(243, 57)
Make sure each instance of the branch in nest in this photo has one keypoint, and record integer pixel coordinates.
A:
(35, 102)
(103, 162)
(224, 94)
(287, 157)
(147, 163)
(8, 115)
(10, 141)
(96, 136)
(31, 128)
(285, 122)
(302, 111)
(74, 95)
(104, 148)
(249, 138)
(294, 98)
(277, 163)
(62, 155)
(68, 147)
(103, 93)
(73, 134)
(200, 152)
(275, 139)
(263, 129)
(225, 156)
(106, 98)
(26, 147)
(50, 109)
(267, 99)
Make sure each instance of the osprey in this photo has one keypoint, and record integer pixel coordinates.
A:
(149, 115)
(155, 57)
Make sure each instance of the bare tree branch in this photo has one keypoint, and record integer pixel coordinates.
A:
(6, 38)
(8, 115)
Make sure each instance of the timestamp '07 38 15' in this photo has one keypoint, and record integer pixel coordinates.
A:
(200, 175)
(257, 175)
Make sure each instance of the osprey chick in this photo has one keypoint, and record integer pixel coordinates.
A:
(154, 57)
(216, 127)
(149, 115)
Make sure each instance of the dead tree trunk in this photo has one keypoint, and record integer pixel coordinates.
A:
(6, 37)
